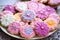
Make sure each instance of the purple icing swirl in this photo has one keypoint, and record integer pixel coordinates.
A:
(41, 29)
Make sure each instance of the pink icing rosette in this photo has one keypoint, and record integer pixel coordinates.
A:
(14, 28)
(9, 8)
(45, 12)
(41, 29)
(55, 16)
(33, 6)
(54, 2)
(34, 0)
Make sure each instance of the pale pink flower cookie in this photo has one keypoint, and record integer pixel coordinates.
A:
(45, 12)
(56, 16)
(33, 6)
(14, 28)
(52, 23)
(41, 6)
(43, 1)
(21, 6)
(27, 31)
(35, 21)
(54, 2)
(34, 0)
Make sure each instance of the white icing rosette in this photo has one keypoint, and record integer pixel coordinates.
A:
(7, 19)
(20, 6)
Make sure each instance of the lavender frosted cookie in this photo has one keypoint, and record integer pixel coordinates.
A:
(28, 15)
(41, 29)
(9, 8)
(14, 28)
(7, 19)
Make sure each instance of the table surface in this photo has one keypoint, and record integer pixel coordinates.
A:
(4, 36)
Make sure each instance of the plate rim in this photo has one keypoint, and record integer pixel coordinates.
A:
(18, 37)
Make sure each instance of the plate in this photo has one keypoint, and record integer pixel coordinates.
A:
(18, 37)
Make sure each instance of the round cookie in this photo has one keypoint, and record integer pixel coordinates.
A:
(33, 6)
(41, 6)
(52, 23)
(42, 14)
(45, 12)
(35, 21)
(41, 29)
(21, 6)
(9, 8)
(43, 1)
(50, 9)
(55, 16)
(28, 15)
(27, 32)
(7, 19)
(17, 16)
(54, 2)
(34, 0)
(14, 28)
(58, 9)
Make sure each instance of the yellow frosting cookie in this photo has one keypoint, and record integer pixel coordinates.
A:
(52, 23)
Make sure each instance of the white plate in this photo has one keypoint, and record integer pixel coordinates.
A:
(4, 30)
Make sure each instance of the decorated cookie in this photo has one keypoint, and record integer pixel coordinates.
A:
(41, 29)
(27, 31)
(34, 0)
(7, 19)
(54, 2)
(42, 1)
(50, 9)
(42, 14)
(20, 6)
(9, 8)
(4, 13)
(33, 6)
(17, 16)
(41, 6)
(35, 21)
(1, 14)
(28, 15)
(55, 16)
(52, 23)
(14, 28)
(45, 12)
(58, 9)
